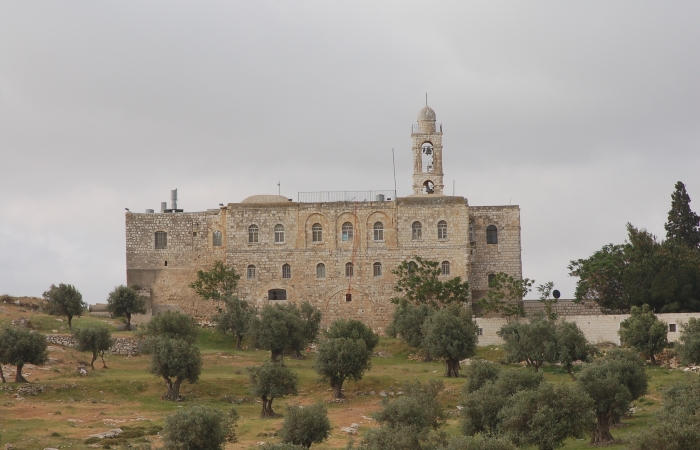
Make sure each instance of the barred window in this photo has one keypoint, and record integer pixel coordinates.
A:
(279, 233)
(320, 270)
(347, 232)
(277, 294)
(161, 240)
(251, 271)
(349, 270)
(317, 232)
(416, 231)
(378, 231)
(216, 239)
(286, 271)
(377, 269)
(442, 230)
(253, 232)
(491, 234)
(445, 267)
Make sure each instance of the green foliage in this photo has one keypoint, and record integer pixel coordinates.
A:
(533, 342)
(644, 332)
(545, 291)
(353, 329)
(198, 427)
(236, 319)
(545, 417)
(280, 329)
(311, 316)
(450, 334)
(479, 443)
(280, 446)
(341, 359)
(65, 300)
(418, 282)
(173, 325)
(688, 344)
(481, 408)
(612, 382)
(683, 224)
(218, 283)
(305, 425)
(572, 346)
(125, 301)
(504, 295)
(664, 275)
(478, 373)
(19, 346)
(269, 381)
(175, 360)
(95, 339)
(408, 322)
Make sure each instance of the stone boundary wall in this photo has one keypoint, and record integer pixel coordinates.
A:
(565, 308)
(122, 346)
(597, 328)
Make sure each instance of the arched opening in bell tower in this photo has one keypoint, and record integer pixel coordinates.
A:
(427, 154)
(428, 187)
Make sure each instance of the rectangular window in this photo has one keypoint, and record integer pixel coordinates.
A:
(481, 332)
(672, 328)
(161, 240)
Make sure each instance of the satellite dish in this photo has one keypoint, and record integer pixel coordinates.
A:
(556, 294)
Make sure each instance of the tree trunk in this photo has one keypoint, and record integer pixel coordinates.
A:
(570, 370)
(18, 376)
(128, 321)
(653, 359)
(296, 354)
(173, 390)
(601, 435)
(102, 354)
(337, 387)
(276, 356)
(94, 358)
(266, 411)
(238, 342)
(70, 322)
(2, 375)
(452, 368)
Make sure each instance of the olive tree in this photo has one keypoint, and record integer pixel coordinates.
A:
(644, 332)
(688, 345)
(280, 329)
(235, 319)
(533, 342)
(173, 325)
(341, 359)
(218, 283)
(199, 427)
(125, 301)
(94, 339)
(269, 381)
(64, 300)
(175, 360)
(451, 334)
(19, 346)
(305, 425)
(572, 346)
(407, 322)
(353, 329)
(311, 317)
(612, 382)
(478, 373)
(547, 416)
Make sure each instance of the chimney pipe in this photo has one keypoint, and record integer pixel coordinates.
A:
(163, 206)
(173, 199)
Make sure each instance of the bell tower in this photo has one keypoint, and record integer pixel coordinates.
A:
(427, 154)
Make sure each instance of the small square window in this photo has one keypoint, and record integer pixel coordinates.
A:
(672, 328)
(194, 234)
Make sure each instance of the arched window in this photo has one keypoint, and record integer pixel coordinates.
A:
(445, 267)
(427, 157)
(471, 233)
(347, 232)
(286, 271)
(377, 269)
(253, 232)
(316, 232)
(491, 234)
(378, 231)
(161, 240)
(349, 272)
(320, 270)
(491, 278)
(216, 239)
(442, 230)
(428, 187)
(251, 271)
(412, 266)
(416, 231)
(279, 233)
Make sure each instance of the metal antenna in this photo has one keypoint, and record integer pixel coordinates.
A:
(279, 188)
(426, 99)
(393, 161)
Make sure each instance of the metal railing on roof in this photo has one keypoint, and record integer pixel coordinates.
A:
(346, 196)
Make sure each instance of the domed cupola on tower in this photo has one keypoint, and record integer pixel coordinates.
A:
(427, 154)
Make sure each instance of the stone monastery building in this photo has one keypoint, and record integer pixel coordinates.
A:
(333, 249)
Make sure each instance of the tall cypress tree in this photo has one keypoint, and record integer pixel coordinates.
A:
(683, 224)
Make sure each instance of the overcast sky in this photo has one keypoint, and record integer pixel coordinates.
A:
(583, 113)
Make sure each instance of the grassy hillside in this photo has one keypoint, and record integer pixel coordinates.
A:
(72, 407)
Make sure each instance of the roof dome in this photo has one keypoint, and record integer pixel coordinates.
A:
(426, 113)
(266, 199)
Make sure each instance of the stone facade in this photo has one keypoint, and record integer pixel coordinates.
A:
(281, 259)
